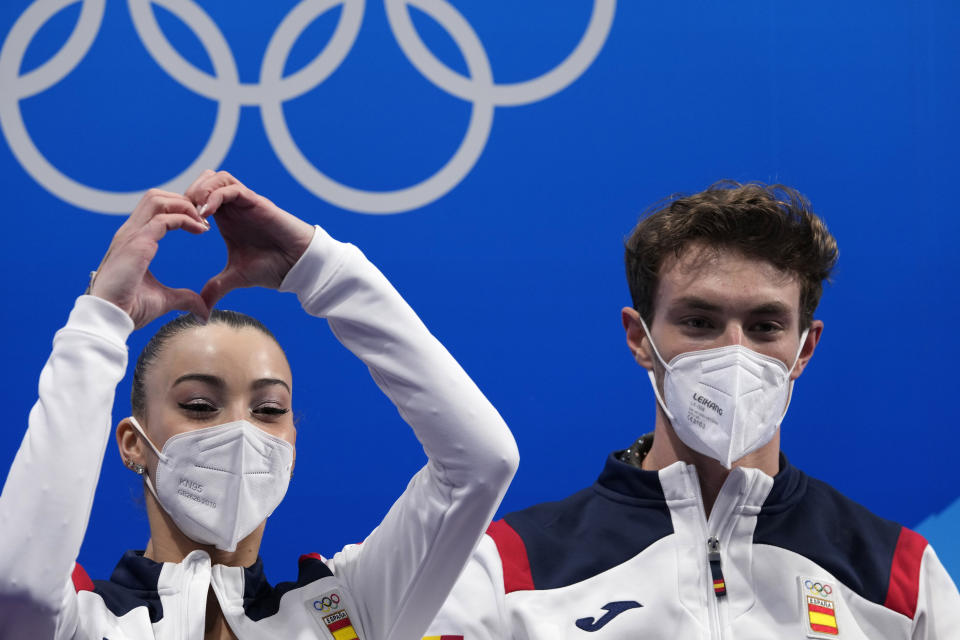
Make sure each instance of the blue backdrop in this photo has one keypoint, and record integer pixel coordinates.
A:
(490, 158)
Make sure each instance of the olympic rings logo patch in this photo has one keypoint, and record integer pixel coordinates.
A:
(327, 603)
(274, 89)
(817, 587)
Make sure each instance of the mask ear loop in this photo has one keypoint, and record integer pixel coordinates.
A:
(653, 378)
(160, 456)
(803, 341)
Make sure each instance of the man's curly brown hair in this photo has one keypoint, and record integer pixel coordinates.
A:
(773, 223)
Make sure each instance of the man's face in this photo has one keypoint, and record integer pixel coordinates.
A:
(710, 298)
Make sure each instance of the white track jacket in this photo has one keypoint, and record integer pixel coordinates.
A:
(389, 587)
(633, 557)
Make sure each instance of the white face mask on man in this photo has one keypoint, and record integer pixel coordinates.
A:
(724, 402)
(219, 483)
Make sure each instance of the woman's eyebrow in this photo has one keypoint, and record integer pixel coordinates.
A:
(206, 378)
(266, 382)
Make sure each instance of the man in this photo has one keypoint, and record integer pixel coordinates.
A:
(703, 529)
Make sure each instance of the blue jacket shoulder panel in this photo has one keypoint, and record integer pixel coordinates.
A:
(132, 584)
(260, 600)
(595, 529)
(811, 518)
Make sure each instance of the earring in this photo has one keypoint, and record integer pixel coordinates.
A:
(136, 467)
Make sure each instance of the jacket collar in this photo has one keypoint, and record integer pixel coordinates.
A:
(789, 485)
(135, 571)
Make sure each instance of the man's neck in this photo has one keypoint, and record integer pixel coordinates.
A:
(668, 448)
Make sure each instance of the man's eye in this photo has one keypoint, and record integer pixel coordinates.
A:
(697, 323)
(197, 406)
(766, 327)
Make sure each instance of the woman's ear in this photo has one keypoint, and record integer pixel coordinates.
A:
(131, 446)
(637, 339)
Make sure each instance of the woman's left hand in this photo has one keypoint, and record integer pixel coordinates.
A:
(263, 241)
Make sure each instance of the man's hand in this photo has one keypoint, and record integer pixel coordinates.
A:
(123, 277)
(263, 241)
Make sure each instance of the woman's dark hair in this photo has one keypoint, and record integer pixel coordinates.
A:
(178, 325)
(773, 223)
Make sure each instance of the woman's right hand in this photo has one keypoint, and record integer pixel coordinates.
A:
(123, 277)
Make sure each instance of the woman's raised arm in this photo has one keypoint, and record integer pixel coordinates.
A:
(48, 493)
(403, 571)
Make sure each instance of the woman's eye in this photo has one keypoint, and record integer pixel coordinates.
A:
(197, 406)
(271, 411)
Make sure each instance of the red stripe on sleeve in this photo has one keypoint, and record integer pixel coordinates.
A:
(513, 557)
(904, 587)
(81, 581)
(310, 556)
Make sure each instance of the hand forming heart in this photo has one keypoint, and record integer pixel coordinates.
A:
(263, 242)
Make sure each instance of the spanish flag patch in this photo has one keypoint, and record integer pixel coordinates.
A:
(329, 610)
(822, 617)
(818, 600)
(340, 626)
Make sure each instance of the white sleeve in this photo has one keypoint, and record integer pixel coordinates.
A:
(476, 608)
(48, 493)
(403, 571)
(938, 602)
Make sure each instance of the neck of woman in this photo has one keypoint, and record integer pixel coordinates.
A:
(215, 625)
(168, 544)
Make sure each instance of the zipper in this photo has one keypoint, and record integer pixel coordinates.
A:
(716, 571)
(718, 585)
(193, 595)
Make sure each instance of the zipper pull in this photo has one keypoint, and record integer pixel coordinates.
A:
(713, 556)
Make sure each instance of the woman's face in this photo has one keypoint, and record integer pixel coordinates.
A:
(215, 374)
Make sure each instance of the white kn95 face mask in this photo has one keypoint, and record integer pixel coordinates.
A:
(219, 483)
(724, 402)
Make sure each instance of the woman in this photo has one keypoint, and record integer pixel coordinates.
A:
(212, 435)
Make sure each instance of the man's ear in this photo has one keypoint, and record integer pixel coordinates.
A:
(809, 346)
(130, 444)
(637, 339)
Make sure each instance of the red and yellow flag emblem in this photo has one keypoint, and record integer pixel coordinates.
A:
(823, 617)
(720, 587)
(818, 606)
(340, 626)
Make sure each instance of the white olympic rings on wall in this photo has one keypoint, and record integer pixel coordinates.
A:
(273, 89)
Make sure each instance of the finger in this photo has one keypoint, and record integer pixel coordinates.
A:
(155, 299)
(194, 186)
(138, 247)
(199, 192)
(156, 202)
(220, 285)
(186, 300)
(161, 223)
(234, 193)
